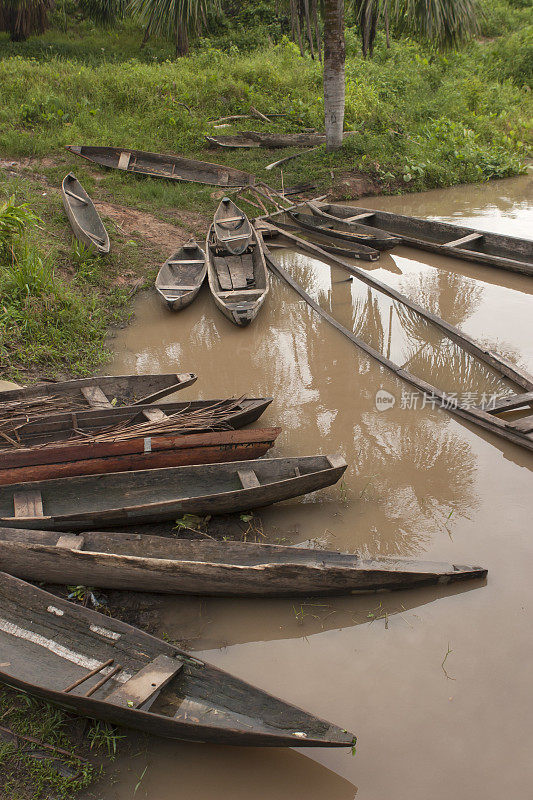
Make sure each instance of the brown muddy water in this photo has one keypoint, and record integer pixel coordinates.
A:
(436, 683)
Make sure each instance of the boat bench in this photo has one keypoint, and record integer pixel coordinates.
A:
(145, 684)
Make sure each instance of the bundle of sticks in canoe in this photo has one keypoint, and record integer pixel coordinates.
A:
(213, 418)
(37, 407)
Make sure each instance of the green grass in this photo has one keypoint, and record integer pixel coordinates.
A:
(423, 119)
(59, 299)
(32, 771)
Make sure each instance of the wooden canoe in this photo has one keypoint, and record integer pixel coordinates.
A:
(156, 495)
(83, 216)
(239, 284)
(104, 669)
(494, 417)
(196, 416)
(457, 241)
(232, 228)
(142, 562)
(347, 231)
(180, 278)
(335, 247)
(67, 459)
(158, 165)
(100, 391)
(272, 141)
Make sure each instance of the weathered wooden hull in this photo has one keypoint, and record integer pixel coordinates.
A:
(181, 277)
(155, 495)
(240, 306)
(83, 216)
(158, 165)
(49, 645)
(271, 141)
(142, 562)
(64, 426)
(231, 227)
(150, 452)
(344, 250)
(319, 223)
(118, 389)
(492, 249)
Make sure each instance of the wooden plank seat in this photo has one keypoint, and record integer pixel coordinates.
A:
(28, 503)
(76, 197)
(177, 288)
(145, 684)
(154, 414)
(358, 217)
(186, 261)
(510, 403)
(524, 425)
(124, 160)
(95, 397)
(472, 237)
(228, 220)
(248, 478)
(248, 293)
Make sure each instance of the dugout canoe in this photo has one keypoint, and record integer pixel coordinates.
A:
(231, 227)
(239, 283)
(492, 249)
(101, 668)
(196, 416)
(159, 165)
(67, 459)
(83, 216)
(338, 248)
(157, 495)
(100, 391)
(335, 228)
(142, 562)
(181, 277)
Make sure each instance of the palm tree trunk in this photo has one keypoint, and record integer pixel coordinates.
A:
(314, 12)
(387, 32)
(147, 31)
(182, 40)
(334, 87)
(308, 28)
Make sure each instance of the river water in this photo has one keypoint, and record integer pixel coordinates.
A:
(436, 683)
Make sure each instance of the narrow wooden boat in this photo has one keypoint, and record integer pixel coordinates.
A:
(271, 141)
(232, 228)
(66, 459)
(348, 231)
(457, 241)
(83, 216)
(148, 563)
(104, 669)
(152, 495)
(239, 284)
(100, 391)
(158, 165)
(196, 416)
(336, 247)
(180, 278)
(494, 417)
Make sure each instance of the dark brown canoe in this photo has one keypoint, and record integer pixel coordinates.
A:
(347, 231)
(184, 418)
(158, 165)
(457, 241)
(156, 495)
(83, 216)
(337, 248)
(104, 669)
(148, 563)
(100, 391)
(231, 227)
(239, 284)
(20, 465)
(181, 277)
